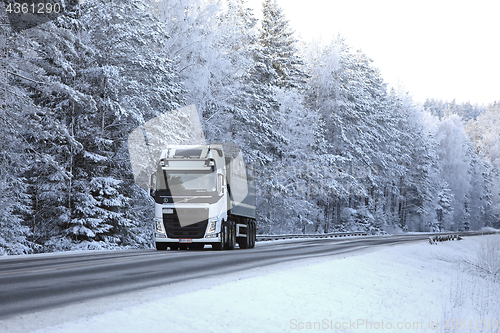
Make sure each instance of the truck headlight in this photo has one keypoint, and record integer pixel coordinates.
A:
(212, 225)
(159, 229)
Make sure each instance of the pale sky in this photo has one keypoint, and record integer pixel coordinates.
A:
(435, 48)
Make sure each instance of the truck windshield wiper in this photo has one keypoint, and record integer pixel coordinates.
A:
(188, 199)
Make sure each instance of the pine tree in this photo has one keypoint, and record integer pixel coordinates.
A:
(485, 133)
(444, 209)
(360, 130)
(454, 162)
(279, 52)
(15, 158)
(95, 93)
(49, 52)
(131, 80)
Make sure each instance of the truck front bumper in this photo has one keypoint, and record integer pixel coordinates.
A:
(205, 240)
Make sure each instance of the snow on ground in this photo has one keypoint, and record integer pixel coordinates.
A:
(417, 287)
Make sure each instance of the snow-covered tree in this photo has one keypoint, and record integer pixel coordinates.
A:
(331, 147)
(444, 210)
(454, 162)
(485, 133)
(279, 51)
(15, 157)
(418, 186)
(48, 53)
(131, 80)
(360, 128)
(103, 72)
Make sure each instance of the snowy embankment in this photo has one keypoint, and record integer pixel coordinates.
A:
(418, 287)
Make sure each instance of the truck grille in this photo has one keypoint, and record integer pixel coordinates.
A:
(194, 220)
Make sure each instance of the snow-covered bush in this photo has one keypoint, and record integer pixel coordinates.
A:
(488, 257)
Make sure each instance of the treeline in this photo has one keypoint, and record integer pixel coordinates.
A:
(333, 149)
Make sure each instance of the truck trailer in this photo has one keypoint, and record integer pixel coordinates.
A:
(204, 195)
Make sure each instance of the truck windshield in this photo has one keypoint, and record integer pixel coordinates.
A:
(181, 181)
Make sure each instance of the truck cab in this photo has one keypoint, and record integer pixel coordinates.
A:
(203, 196)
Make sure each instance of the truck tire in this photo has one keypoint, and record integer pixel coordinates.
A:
(220, 246)
(253, 234)
(161, 246)
(231, 230)
(250, 234)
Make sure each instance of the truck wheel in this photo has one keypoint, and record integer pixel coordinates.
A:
(250, 234)
(253, 234)
(231, 235)
(161, 246)
(222, 244)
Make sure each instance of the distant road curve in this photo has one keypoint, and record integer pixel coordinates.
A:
(35, 282)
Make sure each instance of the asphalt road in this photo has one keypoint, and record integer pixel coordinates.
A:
(34, 282)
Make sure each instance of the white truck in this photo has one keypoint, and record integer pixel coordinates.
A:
(204, 195)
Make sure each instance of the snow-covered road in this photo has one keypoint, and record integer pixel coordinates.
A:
(417, 287)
